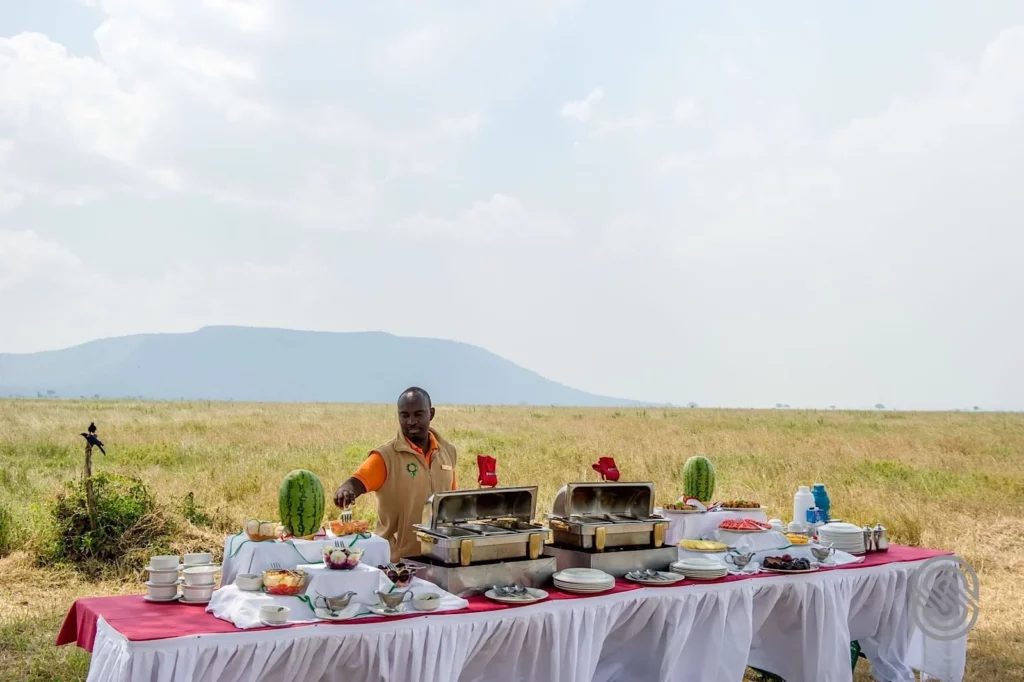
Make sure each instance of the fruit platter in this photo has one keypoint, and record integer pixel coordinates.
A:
(744, 526)
(786, 564)
(341, 558)
(258, 531)
(284, 582)
(342, 528)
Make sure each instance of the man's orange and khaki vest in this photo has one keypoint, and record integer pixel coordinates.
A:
(410, 482)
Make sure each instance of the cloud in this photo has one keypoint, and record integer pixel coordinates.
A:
(500, 218)
(581, 110)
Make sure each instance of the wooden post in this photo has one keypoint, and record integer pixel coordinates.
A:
(90, 502)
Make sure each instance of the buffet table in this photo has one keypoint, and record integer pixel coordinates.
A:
(699, 526)
(799, 626)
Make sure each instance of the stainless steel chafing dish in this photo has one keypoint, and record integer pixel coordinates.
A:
(462, 527)
(599, 516)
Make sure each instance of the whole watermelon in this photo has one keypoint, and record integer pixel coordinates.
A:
(300, 500)
(699, 479)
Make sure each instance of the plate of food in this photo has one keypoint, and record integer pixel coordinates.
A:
(681, 508)
(744, 526)
(740, 505)
(787, 564)
(797, 538)
(703, 545)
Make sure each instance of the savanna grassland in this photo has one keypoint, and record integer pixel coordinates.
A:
(952, 480)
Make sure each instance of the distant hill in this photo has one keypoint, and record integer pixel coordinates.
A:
(280, 365)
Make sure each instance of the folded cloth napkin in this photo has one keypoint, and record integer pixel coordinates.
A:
(606, 467)
(488, 472)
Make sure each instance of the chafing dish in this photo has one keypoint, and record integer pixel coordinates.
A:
(463, 527)
(606, 515)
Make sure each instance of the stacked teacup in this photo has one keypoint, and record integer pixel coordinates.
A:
(163, 578)
(200, 578)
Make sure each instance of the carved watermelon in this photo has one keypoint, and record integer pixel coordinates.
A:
(699, 479)
(300, 500)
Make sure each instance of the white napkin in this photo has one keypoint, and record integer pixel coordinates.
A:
(242, 608)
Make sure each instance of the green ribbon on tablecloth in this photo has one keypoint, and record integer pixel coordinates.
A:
(232, 550)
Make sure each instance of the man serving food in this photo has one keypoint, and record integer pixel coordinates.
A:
(404, 473)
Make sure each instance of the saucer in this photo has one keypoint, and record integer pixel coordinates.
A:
(161, 601)
(193, 603)
(273, 625)
(163, 570)
(349, 611)
(379, 610)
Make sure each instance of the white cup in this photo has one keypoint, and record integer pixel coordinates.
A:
(200, 575)
(249, 581)
(197, 592)
(272, 613)
(198, 559)
(163, 577)
(164, 562)
(428, 601)
(157, 591)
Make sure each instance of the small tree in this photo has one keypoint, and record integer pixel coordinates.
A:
(879, 406)
(976, 408)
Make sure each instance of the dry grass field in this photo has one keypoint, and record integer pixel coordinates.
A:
(953, 481)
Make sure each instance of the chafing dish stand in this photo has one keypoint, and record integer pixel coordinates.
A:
(616, 561)
(465, 581)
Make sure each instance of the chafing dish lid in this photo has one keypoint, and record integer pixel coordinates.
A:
(616, 498)
(458, 506)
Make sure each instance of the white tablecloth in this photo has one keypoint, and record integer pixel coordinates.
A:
(798, 626)
(701, 526)
(242, 555)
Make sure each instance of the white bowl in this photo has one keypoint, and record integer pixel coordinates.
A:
(249, 581)
(272, 613)
(197, 592)
(157, 591)
(163, 577)
(164, 562)
(198, 559)
(200, 575)
(428, 601)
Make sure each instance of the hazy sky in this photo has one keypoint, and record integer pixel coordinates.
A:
(731, 203)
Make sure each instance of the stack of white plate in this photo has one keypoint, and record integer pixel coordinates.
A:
(700, 568)
(583, 580)
(844, 537)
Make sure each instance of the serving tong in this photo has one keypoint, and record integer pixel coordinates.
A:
(647, 574)
(512, 592)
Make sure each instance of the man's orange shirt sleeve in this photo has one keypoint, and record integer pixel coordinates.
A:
(372, 473)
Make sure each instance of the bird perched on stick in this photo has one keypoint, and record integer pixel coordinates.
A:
(93, 440)
(92, 428)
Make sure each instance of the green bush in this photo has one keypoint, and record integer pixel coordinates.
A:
(128, 524)
(8, 533)
(194, 512)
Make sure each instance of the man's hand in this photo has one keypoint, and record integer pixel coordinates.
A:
(347, 493)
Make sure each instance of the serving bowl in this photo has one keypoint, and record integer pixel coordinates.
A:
(272, 613)
(250, 582)
(282, 582)
(341, 558)
(197, 592)
(158, 591)
(200, 575)
(428, 601)
(166, 562)
(198, 559)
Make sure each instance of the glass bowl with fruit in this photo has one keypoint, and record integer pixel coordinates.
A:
(341, 558)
